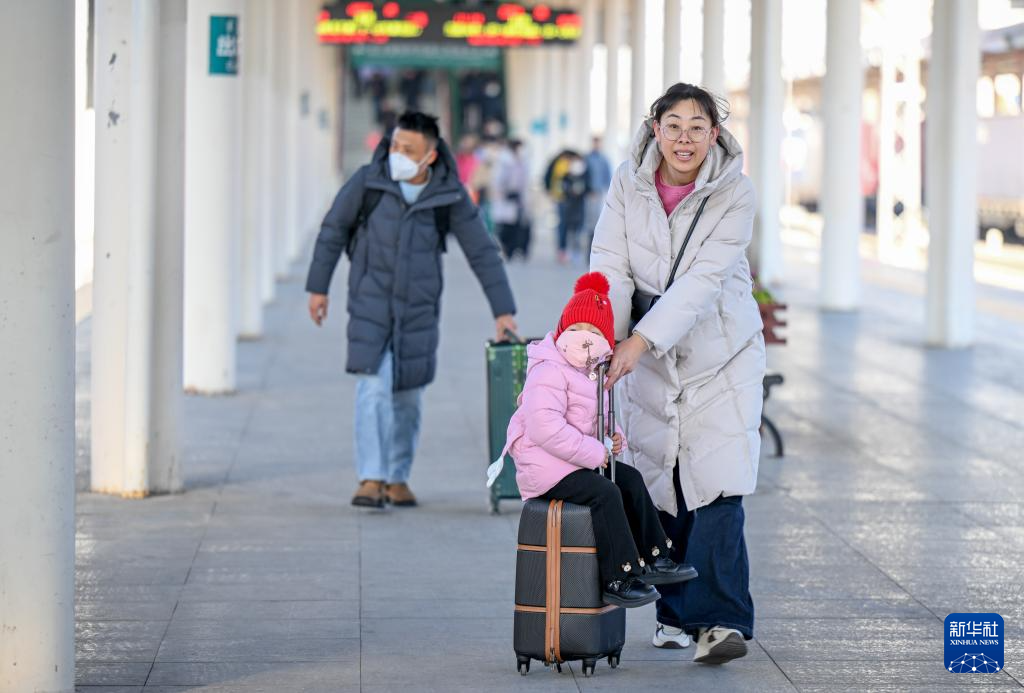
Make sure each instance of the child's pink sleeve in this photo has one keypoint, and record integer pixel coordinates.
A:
(545, 400)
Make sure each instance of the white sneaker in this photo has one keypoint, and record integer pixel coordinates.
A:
(719, 645)
(670, 638)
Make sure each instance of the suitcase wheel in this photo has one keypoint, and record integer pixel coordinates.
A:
(613, 660)
(588, 667)
(523, 664)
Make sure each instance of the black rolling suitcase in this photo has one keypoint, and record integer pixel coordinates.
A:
(560, 615)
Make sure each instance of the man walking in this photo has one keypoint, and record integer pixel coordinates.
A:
(392, 219)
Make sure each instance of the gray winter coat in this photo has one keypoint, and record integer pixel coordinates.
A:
(695, 397)
(395, 282)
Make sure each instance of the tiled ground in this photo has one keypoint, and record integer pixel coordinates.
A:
(901, 499)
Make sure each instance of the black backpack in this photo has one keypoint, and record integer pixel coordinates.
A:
(371, 198)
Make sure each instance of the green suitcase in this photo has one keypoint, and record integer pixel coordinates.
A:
(506, 372)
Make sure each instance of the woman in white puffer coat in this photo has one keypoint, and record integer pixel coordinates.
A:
(692, 365)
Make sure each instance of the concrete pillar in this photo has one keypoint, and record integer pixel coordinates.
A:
(253, 68)
(539, 121)
(307, 193)
(555, 101)
(637, 65)
(842, 203)
(137, 291)
(585, 67)
(270, 204)
(613, 134)
(213, 196)
(672, 43)
(37, 340)
(950, 177)
(85, 147)
(293, 161)
(765, 135)
(713, 49)
(517, 85)
(283, 138)
(574, 114)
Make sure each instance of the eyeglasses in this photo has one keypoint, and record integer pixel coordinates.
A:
(673, 131)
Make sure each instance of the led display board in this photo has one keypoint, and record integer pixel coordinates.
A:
(507, 24)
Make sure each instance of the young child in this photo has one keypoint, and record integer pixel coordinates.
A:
(552, 439)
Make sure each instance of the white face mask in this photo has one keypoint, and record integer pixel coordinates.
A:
(402, 167)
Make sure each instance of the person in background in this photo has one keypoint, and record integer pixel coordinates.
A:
(466, 160)
(553, 175)
(392, 217)
(599, 178)
(574, 198)
(508, 201)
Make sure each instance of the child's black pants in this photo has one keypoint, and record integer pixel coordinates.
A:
(626, 524)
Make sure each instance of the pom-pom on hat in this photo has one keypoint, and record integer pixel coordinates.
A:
(590, 304)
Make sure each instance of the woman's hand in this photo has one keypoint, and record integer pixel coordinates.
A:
(616, 443)
(627, 353)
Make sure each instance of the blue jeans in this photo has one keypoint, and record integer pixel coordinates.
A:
(711, 540)
(387, 426)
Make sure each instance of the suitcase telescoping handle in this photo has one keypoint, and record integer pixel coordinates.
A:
(606, 425)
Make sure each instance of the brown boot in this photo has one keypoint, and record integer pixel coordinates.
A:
(370, 494)
(400, 496)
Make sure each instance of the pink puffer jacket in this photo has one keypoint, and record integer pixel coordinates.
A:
(551, 435)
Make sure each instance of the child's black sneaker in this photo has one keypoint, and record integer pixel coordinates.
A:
(664, 571)
(629, 592)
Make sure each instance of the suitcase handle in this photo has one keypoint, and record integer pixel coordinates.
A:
(512, 336)
(606, 425)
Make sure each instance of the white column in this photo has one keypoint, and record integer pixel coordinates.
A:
(291, 59)
(165, 451)
(518, 81)
(554, 78)
(613, 16)
(85, 147)
(673, 43)
(637, 65)
(538, 142)
(113, 48)
(136, 323)
(282, 144)
(213, 197)
(270, 204)
(37, 340)
(307, 198)
(765, 128)
(713, 49)
(951, 172)
(574, 115)
(585, 65)
(842, 203)
(254, 165)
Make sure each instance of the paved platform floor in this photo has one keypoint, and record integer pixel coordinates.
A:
(901, 499)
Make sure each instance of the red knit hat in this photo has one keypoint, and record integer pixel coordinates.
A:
(590, 304)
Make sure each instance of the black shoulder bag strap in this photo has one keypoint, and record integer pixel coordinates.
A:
(371, 198)
(686, 240)
(643, 302)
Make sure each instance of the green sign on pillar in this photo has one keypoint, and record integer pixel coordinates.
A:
(224, 45)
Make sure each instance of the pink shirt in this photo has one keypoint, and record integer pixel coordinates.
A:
(671, 195)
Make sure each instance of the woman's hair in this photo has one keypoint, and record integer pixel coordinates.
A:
(715, 107)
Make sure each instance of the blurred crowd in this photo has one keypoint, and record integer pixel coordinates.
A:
(496, 174)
